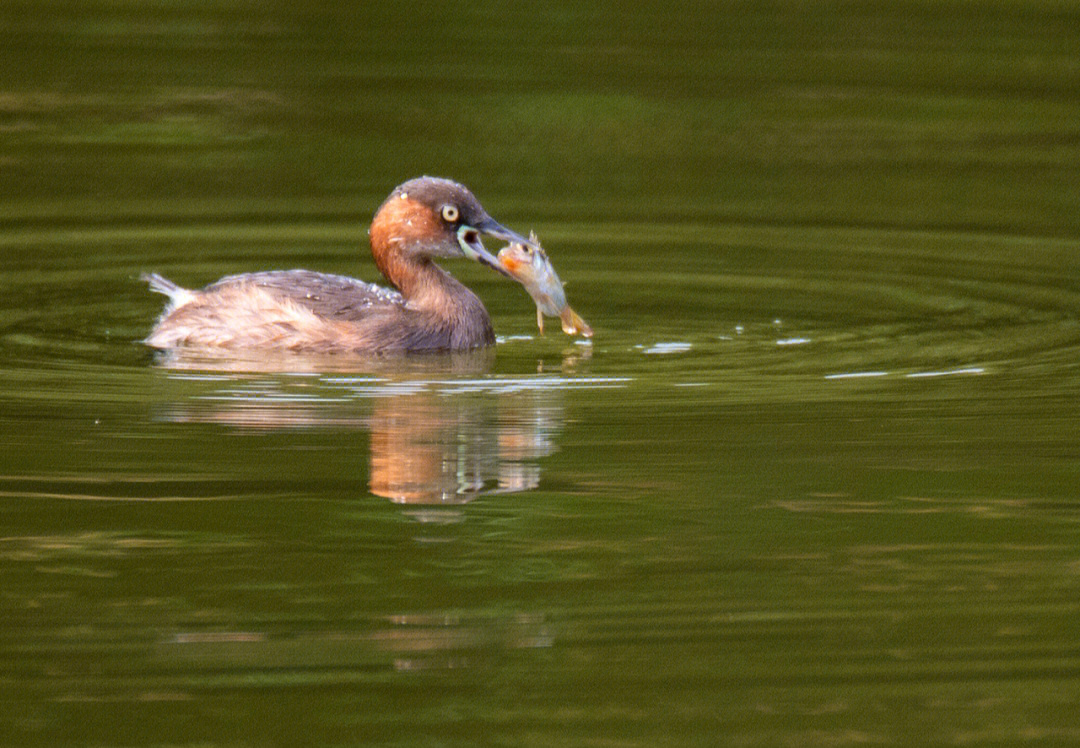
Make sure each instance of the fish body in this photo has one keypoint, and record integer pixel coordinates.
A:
(531, 267)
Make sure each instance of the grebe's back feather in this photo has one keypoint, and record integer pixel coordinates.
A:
(335, 297)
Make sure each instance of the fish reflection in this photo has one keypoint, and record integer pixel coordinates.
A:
(441, 431)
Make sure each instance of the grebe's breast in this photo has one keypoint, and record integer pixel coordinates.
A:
(330, 297)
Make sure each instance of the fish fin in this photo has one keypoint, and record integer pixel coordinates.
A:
(573, 324)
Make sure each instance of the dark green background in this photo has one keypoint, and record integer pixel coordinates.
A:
(698, 530)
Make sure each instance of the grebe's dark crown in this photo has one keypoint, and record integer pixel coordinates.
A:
(437, 193)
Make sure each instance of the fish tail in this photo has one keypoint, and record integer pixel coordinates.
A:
(573, 324)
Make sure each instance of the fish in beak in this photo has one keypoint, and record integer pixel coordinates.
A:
(469, 239)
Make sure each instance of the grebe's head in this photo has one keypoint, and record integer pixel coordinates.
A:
(433, 217)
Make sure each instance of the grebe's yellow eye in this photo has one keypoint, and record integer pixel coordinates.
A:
(449, 213)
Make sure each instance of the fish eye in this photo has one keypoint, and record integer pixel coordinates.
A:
(450, 213)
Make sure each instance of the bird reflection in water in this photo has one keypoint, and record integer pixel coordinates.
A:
(441, 431)
(430, 448)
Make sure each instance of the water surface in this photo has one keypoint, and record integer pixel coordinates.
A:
(812, 482)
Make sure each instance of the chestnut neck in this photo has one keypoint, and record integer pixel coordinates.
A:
(401, 235)
(423, 283)
(427, 287)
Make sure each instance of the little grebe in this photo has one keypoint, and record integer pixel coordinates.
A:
(303, 310)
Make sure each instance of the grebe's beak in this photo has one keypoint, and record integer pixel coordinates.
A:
(469, 239)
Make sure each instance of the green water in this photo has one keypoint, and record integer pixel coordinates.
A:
(813, 482)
